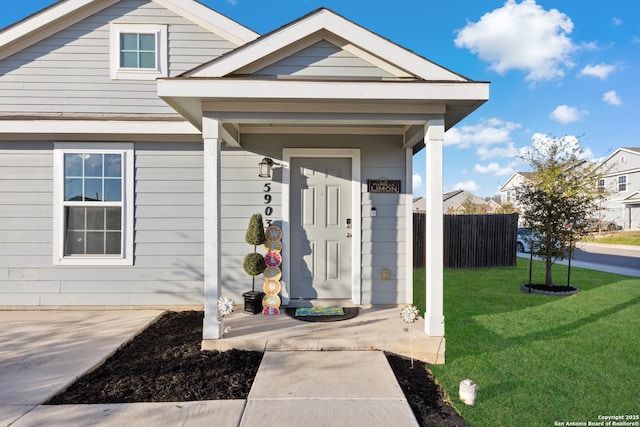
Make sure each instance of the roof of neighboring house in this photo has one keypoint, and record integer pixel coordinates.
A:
(450, 194)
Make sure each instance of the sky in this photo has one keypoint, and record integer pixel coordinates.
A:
(557, 68)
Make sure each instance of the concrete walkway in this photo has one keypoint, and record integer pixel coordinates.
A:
(42, 352)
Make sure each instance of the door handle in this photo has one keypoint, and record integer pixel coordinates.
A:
(348, 235)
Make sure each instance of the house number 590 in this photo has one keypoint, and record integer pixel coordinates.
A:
(267, 201)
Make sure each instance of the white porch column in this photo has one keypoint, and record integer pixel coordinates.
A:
(212, 327)
(433, 139)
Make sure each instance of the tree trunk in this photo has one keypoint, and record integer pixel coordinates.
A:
(549, 264)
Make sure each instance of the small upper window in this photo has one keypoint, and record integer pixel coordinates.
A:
(601, 185)
(138, 51)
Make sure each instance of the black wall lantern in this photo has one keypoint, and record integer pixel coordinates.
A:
(265, 168)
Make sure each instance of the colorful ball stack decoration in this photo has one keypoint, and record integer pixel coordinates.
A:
(272, 274)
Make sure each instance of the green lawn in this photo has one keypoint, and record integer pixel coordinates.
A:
(540, 359)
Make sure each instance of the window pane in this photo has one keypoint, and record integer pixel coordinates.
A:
(95, 243)
(129, 42)
(93, 190)
(72, 165)
(75, 218)
(129, 59)
(147, 60)
(95, 218)
(113, 190)
(148, 42)
(74, 243)
(73, 189)
(113, 220)
(113, 165)
(93, 165)
(113, 243)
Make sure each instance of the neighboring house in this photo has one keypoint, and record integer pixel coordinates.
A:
(131, 133)
(453, 202)
(510, 193)
(621, 186)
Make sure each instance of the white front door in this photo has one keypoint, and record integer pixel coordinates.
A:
(321, 233)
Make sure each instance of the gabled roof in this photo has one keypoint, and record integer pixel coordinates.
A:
(325, 24)
(525, 175)
(633, 197)
(631, 150)
(65, 13)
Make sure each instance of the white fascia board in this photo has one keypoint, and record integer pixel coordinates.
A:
(70, 127)
(322, 90)
(211, 20)
(47, 22)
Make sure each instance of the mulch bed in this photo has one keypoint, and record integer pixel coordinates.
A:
(164, 363)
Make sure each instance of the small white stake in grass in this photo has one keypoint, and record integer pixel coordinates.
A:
(468, 392)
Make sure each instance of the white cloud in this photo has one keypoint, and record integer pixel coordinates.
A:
(232, 2)
(491, 131)
(521, 36)
(493, 169)
(417, 181)
(600, 71)
(617, 21)
(470, 186)
(566, 114)
(493, 152)
(612, 98)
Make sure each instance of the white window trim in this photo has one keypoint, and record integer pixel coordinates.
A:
(162, 51)
(127, 151)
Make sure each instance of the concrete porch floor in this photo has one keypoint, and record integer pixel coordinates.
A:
(375, 328)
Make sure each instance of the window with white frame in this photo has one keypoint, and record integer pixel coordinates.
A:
(93, 203)
(622, 183)
(601, 185)
(139, 51)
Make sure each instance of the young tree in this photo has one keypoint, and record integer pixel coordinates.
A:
(560, 195)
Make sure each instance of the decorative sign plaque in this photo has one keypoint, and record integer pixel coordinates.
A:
(383, 186)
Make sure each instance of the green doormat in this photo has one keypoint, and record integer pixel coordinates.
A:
(322, 314)
(319, 311)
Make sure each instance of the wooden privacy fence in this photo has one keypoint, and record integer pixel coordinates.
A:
(471, 241)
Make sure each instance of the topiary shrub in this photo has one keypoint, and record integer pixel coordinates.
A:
(254, 263)
(255, 232)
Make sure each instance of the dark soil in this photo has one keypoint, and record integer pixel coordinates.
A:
(549, 289)
(164, 363)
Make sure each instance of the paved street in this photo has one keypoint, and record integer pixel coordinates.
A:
(621, 259)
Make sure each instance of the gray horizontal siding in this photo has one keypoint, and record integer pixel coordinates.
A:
(168, 232)
(323, 59)
(69, 71)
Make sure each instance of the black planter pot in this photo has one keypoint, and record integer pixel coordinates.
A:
(253, 302)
